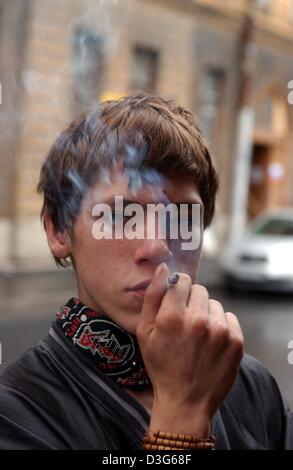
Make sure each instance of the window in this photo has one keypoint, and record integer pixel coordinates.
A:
(88, 67)
(211, 94)
(144, 68)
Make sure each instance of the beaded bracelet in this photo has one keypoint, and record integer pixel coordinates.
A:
(159, 440)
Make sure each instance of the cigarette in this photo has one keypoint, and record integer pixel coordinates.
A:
(173, 279)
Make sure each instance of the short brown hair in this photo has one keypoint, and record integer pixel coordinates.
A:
(146, 132)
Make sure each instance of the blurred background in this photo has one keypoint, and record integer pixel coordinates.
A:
(231, 62)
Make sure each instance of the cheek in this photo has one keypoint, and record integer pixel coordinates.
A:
(109, 256)
(121, 250)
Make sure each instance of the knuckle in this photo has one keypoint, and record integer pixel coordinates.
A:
(237, 345)
(201, 325)
(220, 335)
(238, 342)
(221, 331)
(171, 319)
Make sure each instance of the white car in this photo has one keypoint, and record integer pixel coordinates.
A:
(263, 257)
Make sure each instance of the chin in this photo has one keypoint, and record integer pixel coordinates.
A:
(130, 324)
(128, 321)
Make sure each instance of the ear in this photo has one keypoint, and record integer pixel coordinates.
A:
(59, 242)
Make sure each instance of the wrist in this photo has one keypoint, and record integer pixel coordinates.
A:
(180, 420)
(160, 440)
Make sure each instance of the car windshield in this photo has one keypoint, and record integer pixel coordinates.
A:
(275, 227)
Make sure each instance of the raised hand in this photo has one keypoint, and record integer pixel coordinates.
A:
(192, 350)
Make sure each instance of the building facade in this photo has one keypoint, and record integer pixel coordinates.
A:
(220, 59)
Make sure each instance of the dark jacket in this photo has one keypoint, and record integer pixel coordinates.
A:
(51, 397)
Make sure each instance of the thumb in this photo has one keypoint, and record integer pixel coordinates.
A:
(154, 295)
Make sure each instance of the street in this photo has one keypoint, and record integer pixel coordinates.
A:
(30, 302)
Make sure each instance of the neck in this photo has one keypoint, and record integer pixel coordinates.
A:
(108, 346)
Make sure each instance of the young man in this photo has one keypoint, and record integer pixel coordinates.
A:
(131, 356)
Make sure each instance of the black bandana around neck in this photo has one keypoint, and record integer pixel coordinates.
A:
(112, 349)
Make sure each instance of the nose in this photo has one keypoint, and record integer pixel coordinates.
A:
(154, 251)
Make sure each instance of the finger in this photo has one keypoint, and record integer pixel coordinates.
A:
(153, 296)
(219, 331)
(198, 300)
(235, 351)
(178, 294)
(217, 314)
(234, 327)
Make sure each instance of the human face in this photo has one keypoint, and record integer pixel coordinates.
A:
(108, 270)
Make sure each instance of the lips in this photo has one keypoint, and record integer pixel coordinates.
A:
(142, 286)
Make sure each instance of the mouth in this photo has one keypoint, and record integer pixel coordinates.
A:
(140, 288)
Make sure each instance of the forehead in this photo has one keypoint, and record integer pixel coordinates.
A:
(143, 187)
